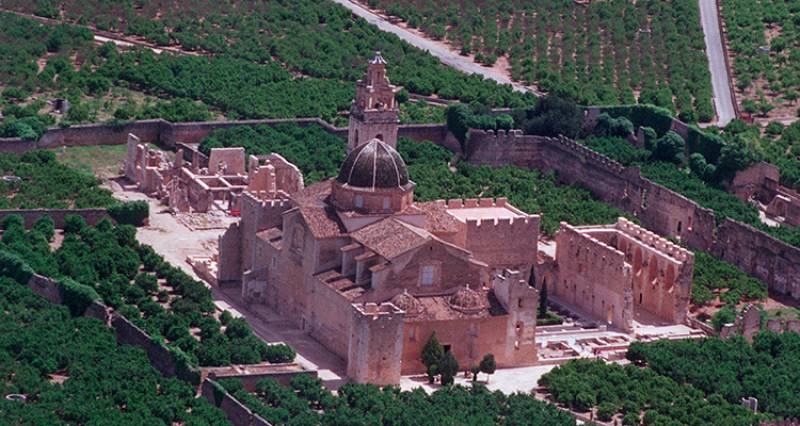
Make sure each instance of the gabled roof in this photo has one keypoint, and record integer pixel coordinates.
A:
(390, 238)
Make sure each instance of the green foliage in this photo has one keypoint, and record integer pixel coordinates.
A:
(668, 148)
(316, 152)
(45, 183)
(432, 353)
(552, 116)
(130, 212)
(488, 364)
(615, 127)
(448, 368)
(597, 53)
(106, 383)
(582, 384)
(766, 370)
(279, 353)
(12, 266)
(748, 24)
(726, 315)
(618, 149)
(77, 297)
(712, 276)
(308, 403)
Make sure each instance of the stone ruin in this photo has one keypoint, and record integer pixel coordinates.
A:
(760, 185)
(748, 323)
(216, 183)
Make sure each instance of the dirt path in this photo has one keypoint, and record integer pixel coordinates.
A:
(106, 36)
(438, 49)
(720, 80)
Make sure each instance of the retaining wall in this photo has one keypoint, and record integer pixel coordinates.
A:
(91, 216)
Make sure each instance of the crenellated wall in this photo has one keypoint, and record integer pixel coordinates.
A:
(659, 209)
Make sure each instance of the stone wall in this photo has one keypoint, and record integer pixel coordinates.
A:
(237, 413)
(45, 287)
(760, 255)
(659, 209)
(91, 216)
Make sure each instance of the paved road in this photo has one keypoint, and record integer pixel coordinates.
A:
(435, 48)
(723, 100)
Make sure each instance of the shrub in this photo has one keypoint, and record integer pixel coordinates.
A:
(130, 213)
(279, 353)
(73, 224)
(606, 411)
(77, 297)
(13, 266)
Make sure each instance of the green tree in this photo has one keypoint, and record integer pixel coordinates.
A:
(488, 365)
(432, 354)
(542, 311)
(448, 368)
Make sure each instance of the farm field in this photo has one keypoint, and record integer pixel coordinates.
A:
(305, 49)
(609, 52)
(764, 42)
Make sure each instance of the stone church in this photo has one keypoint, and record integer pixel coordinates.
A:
(370, 273)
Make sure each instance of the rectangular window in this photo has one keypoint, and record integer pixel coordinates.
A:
(427, 273)
(386, 203)
(359, 201)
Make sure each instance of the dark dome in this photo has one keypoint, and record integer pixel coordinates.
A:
(374, 165)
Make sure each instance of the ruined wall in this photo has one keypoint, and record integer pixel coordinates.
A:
(658, 209)
(760, 255)
(91, 216)
(593, 276)
(229, 266)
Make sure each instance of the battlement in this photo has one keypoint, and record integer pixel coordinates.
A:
(586, 154)
(514, 224)
(470, 203)
(653, 240)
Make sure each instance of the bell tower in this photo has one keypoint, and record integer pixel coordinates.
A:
(374, 113)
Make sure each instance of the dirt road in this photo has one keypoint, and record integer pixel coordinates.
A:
(438, 49)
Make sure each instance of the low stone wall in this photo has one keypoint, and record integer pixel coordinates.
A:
(91, 216)
(252, 374)
(169, 134)
(236, 412)
(46, 287)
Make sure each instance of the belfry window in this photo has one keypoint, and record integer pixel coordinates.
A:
(359, 201)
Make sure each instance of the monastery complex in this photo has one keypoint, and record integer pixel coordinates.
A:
(371, 273)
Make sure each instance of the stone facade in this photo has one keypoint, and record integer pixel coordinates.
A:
(374, 113)
(614, 272)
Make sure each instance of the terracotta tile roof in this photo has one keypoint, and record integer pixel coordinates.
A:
(390, 237)
(320, 216)
(438, 220)
(343, 285)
